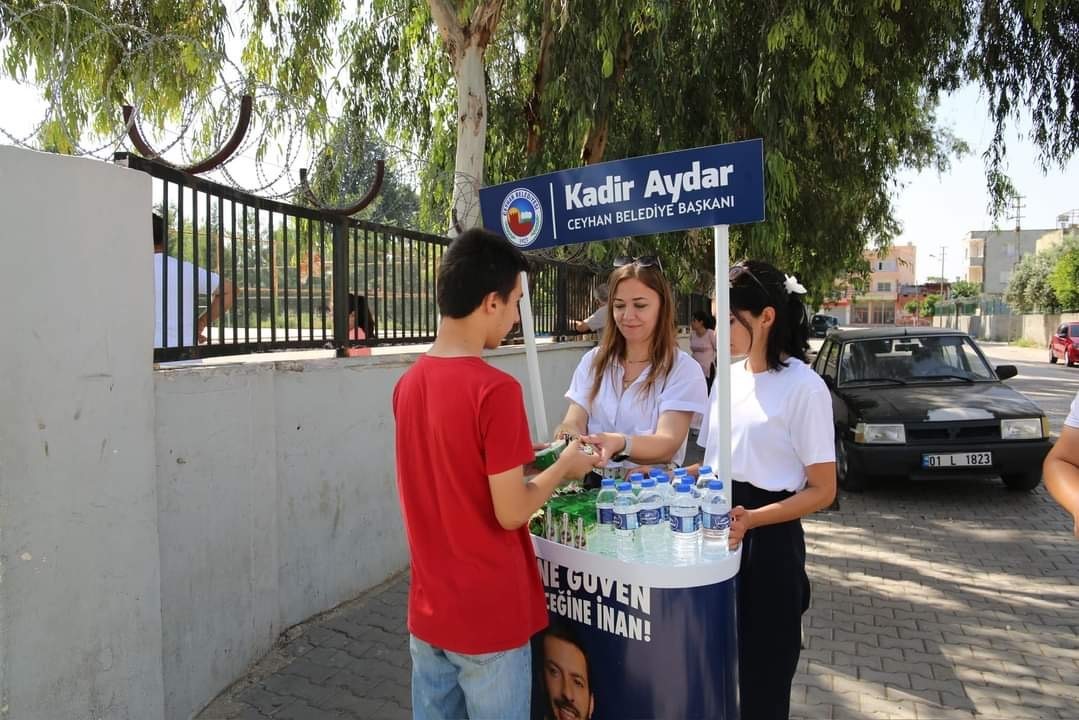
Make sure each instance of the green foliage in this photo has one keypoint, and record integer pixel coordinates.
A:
(929, 305)
(1030, 289)
(965, 289)
(913, 307)
(1064, 277)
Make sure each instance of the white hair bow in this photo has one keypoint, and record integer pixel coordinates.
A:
(793, 286)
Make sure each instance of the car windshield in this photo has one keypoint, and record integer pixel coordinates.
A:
(933, 358)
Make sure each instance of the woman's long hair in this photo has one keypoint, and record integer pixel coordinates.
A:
(663, 343)
(762, 285)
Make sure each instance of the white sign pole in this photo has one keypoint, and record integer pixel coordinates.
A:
(528, 329)
(721, 409)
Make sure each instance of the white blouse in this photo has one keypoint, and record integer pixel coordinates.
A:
(781, 422)
(633, 412)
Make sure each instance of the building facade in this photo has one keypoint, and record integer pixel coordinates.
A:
(993, 254)
(889, 272)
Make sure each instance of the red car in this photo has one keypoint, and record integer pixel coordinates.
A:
(1065, 344)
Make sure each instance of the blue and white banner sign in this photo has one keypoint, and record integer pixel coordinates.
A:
(702, 187)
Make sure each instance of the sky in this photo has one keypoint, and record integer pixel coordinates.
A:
(933, 210)
(938, 210)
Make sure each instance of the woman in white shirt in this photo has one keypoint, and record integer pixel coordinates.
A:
(782, 467)
(635, 394)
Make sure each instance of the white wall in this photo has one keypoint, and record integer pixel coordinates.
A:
(278, 501)
(80, 608)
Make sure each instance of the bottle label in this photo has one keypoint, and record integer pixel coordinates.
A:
(685, 523)
(715, 521)
(606, 516)
(626, 521)
(651, 516)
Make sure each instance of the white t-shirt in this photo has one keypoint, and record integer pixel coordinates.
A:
(191, 276)
(781, 422)
(630, 412)
(1072, 420)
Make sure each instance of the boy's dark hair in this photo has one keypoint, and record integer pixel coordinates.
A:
(476, 264)
(757, 285)
(159, 230)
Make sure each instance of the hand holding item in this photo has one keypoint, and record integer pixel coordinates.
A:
(575, 461)
(739, 526)
(609, 444)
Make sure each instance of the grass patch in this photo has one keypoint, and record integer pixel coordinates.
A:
(1025, 343)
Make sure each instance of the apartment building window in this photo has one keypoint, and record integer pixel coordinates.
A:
(883, 315)
(884, 287)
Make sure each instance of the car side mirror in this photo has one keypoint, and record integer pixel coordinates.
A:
(1005, 372)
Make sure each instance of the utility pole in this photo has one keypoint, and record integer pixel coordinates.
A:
(1017, 215)
(940, 287)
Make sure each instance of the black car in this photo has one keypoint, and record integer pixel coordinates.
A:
(925, 403)
(820, 325)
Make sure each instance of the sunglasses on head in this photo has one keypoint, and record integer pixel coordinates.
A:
(740, 271)
(642, 261)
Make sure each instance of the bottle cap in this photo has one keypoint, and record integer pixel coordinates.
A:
(662, 478)
(649, 483)
(683, 488)
(607, 482)
(679, 472)
(635, 477)
(715, 484)
(655, 472)
(706, 469)
(624, 487)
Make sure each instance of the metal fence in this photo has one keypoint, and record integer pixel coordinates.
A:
(240, 274)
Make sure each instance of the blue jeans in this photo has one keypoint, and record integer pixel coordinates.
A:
(451, 686)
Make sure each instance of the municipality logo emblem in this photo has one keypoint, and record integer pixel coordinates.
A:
(522, 217)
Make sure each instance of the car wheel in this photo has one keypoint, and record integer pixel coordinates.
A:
(1052, 357)
(1020, 482)
(851, 482)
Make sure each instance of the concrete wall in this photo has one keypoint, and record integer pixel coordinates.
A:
(159, 530)
(1036, 328)
(278, 501)
(80, 604)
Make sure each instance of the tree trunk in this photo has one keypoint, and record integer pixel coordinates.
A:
(471, 135)
(595, 142)
(539, 82)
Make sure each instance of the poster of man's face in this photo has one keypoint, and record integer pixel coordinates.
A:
(566, 677)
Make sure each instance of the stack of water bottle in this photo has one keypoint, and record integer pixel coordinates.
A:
(663, 520)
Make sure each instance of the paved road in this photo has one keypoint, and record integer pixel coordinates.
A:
(950, 599)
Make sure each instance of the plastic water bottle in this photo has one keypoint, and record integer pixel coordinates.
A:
(635, 480)
(685, 527)
(704, 476)
(666, 494)
(680, 475)
(653, 531)
(656, 472)
(626, 522)
(604, 536)
(715, 521)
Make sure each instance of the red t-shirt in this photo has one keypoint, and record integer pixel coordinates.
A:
(475, 586)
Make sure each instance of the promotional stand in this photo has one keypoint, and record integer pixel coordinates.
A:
(631, 640)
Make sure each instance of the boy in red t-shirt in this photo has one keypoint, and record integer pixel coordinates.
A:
(462, 441)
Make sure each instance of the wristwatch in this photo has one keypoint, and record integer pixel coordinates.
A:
(627, 450)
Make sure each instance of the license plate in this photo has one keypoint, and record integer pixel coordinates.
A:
(955, 460)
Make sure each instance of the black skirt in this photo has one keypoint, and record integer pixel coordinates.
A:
(773, 593)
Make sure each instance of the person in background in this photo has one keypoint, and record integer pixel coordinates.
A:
(169, 333)
(702, 343)
(462, 442)
(359, 308)
(782, 468)
(597, 321)
(635, 395)
(1061, 468)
